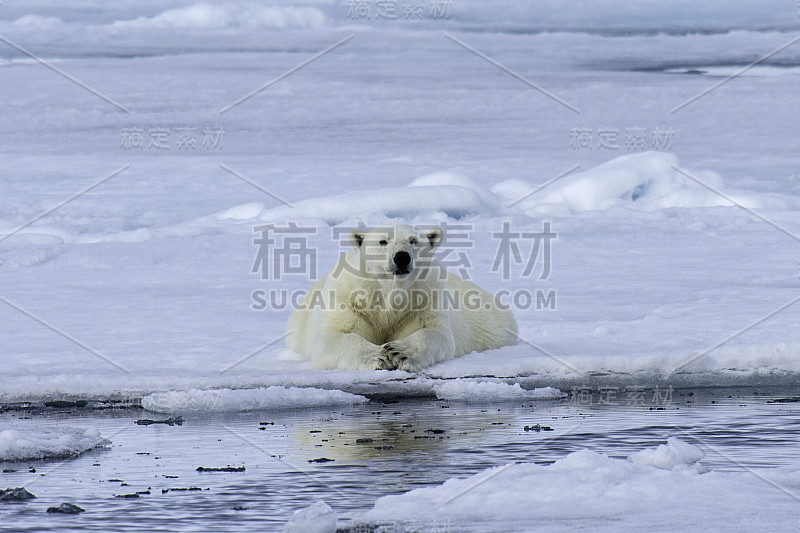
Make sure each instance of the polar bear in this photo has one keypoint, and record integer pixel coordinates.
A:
(387, 304)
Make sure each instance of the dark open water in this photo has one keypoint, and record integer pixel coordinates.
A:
(415, 443)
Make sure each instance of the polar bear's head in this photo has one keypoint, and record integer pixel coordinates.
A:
(400, 253)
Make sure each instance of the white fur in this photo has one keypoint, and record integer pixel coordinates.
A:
(342, 324)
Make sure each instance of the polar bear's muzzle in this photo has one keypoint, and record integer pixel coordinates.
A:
(402, 263)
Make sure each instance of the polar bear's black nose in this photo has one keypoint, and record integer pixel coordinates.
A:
(402, 260)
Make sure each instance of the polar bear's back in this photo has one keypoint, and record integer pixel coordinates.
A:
(478, 323)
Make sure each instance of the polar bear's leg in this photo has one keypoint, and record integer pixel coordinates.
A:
(422, 348)
(349, 351)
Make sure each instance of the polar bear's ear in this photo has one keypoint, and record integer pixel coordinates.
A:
(356, 238)
(434, 236)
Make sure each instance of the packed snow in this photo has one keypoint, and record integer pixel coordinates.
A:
(23, 442)
(227, 400)
(654, 490)
(128, 268)
(626, 327)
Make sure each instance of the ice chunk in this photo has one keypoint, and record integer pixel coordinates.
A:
(466, 390)
(646, 181)
(404, 202)
(452, 179)
(232, 400)
(47, 442)
(667, 456)
(318, 518)
(597, 491)
(209, 16)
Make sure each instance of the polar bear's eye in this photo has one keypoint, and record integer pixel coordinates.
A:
(412, 240)
(383, 242)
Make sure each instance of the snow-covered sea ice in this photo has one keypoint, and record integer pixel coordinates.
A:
(143, 145)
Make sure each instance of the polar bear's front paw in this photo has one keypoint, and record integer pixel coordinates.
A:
(380, 362)
(399, 356)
